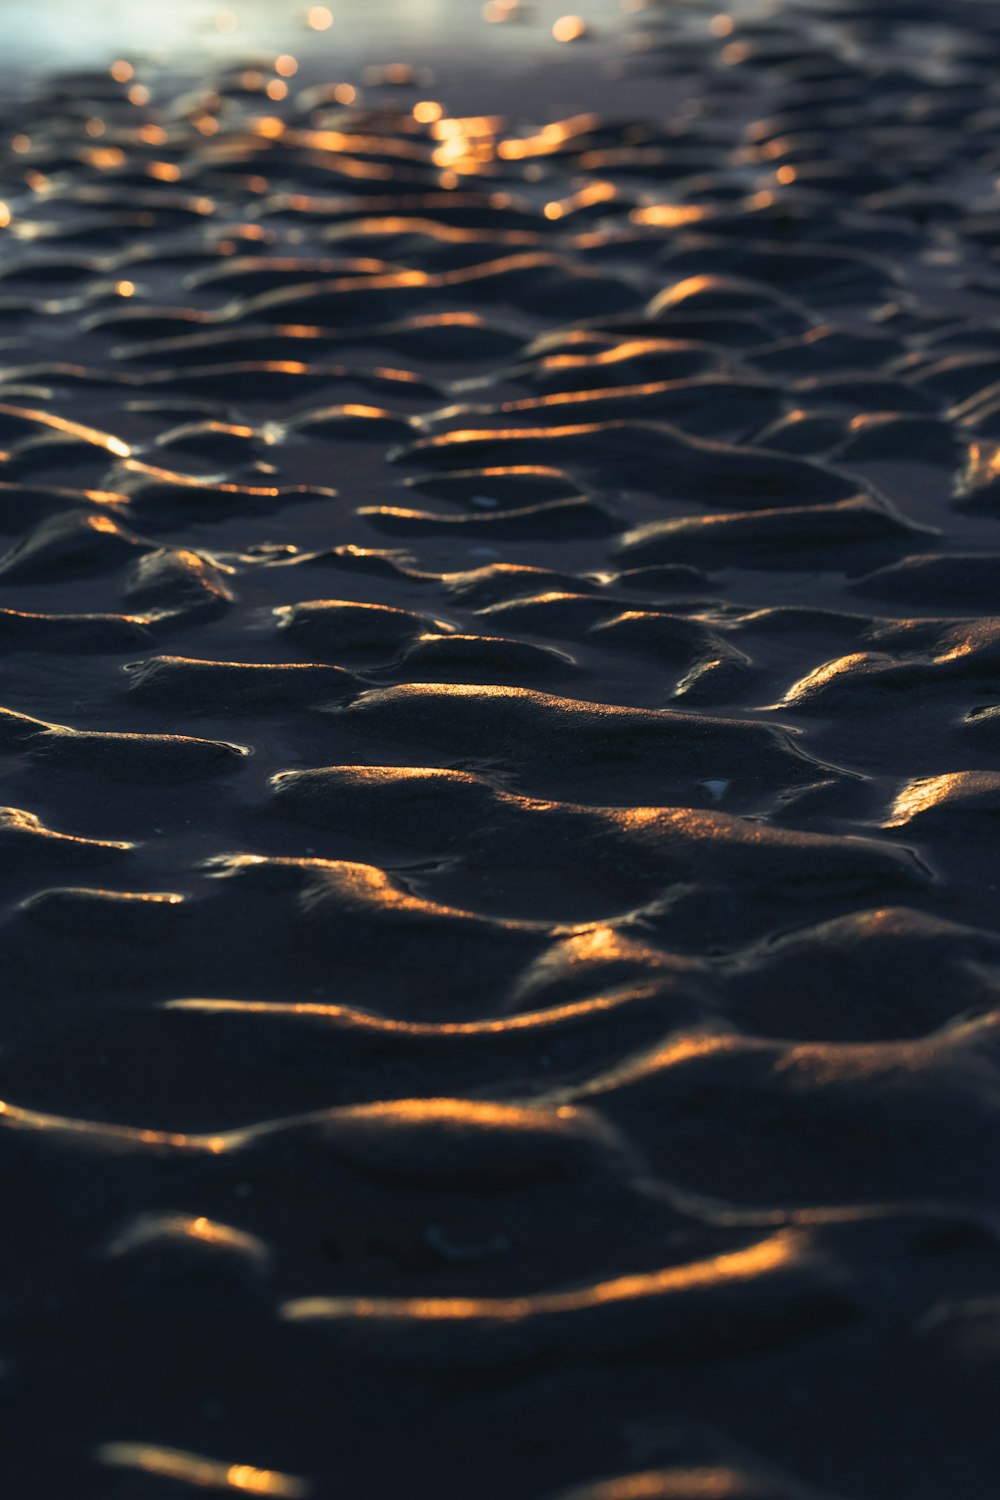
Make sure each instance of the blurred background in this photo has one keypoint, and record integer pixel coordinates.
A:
(65, 33)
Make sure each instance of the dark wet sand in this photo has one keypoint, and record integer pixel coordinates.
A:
(501, 746)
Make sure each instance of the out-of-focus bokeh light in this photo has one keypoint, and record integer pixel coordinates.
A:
(319, 18)
(498, 11)
(569, 29)
(427, 111)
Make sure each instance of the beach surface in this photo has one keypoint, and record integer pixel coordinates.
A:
(500, 738)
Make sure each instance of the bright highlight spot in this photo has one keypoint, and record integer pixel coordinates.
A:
(427, 111)
(498, 11)
(569, 29)
(206, 1473)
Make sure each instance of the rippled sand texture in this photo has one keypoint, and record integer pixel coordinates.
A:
(501, 746)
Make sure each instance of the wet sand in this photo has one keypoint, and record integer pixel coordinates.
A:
(501, 745)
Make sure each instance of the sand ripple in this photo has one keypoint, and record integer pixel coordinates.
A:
(500, 727)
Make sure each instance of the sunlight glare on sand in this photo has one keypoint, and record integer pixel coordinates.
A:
(204, 1473)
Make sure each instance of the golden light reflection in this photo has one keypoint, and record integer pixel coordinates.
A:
(767, 1255)
(150, 1228)
(572, 398)
(174, 477)
(355, 144)
(982, 466)
(828, 672)
(588, 197)
(554, 1017)
(17, 820)
(104, 158)
(569, 29)
(471, 1112)
(427, 111)
(121, 71)
(510, 434)
(268, 127)
(923, 794)
(70, 429)
(958, 651)
(102, 1134)
(674, 1053)
(614, 354)
(4, 216)
(675, 1484)
(319, 18)
(366, 885)
(690, 286)
(471, 125)
(548, 140)
(206, 1473)
(103, 524)
(286, 65)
